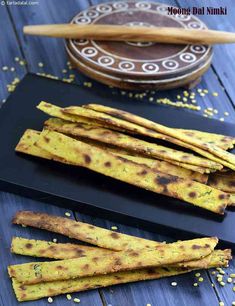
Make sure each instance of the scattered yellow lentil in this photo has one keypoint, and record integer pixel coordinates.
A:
(226, 113)
(221, 303)
(213, 272)
(50, 300)
(233, 288)
(198, 274)
(89, 84)
(12, 69)
(11, 87)
(76, 300)
(54, 240)
(67, 214)
(195, 285)
(222, 284)
(233, 303)
(229, 280)
(221, 119)
(68, 296)
(201, 279)
(174, 284)
(64, 71)
(114, 228)
(40, 64)
(215, 94)
(4, 68)
(22, 63)
(148, 304)
(17, 59)
(232, 275)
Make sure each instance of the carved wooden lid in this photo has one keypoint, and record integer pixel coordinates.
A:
(139, 60)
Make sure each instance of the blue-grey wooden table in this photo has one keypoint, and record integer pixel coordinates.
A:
(19, 55)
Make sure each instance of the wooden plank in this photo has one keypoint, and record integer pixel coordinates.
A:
(159, 291)
(46, 51)
(10, 204)
(221, 104)
(223, 61)
(49, 51)
(8, 51)
(39, 49)
(35, 52)
(226, 293)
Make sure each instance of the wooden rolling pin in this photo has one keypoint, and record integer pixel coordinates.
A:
(136, 33)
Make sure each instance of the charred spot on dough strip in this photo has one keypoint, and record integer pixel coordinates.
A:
(143, 172)
(29, 245)
(114, 235)
(107, 164)
(196, 247)
(192, 194)
(222, 196)
(166, 180)
(87, 158)
(47, 139)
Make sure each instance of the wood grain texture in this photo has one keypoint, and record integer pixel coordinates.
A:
(136, 33)
(156, 292)
(51, 52)
(10, 204)
(223, 63)
(8, 51)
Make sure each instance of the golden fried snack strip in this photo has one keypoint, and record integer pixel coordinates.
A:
(81, 154)
(41, 290)
(163, 254)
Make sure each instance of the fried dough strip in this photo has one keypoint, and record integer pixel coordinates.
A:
(33, 292)
(222, 141)
(82, 231)
(163, 254)
(81, 154)
(223, 181)
(127, 142)
(30, 137)
(48, 249)
(117, 124)
(215, 150)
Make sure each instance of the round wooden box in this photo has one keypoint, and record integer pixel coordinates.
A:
(139, 65)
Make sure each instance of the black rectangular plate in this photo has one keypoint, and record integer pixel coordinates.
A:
(81, 189)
